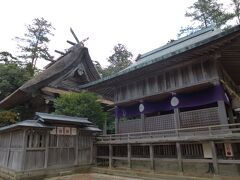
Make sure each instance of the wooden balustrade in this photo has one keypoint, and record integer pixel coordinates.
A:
(204, 131)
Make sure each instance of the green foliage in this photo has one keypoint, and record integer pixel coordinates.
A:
(7, 118)
(205, 13)
(84, 104)
(34, 44)
(7, 57)
(119, 60)
(12, 76)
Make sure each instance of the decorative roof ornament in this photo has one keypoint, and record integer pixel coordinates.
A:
(141, 107)
(174, 101)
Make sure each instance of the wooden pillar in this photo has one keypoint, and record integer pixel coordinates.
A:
(177, 118)
(93, 151)
(9, 148)
(105, 127)
(110, 156)
(151, 156)
(222, 112)
(46, 150)
(77, 147)
(129, 151)
(143, 122)
(24, 149)
(214, 157)
(230, 114)
(179, 157)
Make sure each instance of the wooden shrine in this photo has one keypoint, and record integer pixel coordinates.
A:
(47, 142)
(177, 107)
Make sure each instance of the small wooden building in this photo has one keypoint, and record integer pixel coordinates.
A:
(46, 142)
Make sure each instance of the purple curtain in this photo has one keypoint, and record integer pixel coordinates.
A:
(204, 97)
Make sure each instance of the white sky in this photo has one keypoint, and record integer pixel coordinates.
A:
(141, 25)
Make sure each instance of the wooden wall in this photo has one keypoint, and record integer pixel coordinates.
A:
(34, 149)
(166, 80)
(11, 149)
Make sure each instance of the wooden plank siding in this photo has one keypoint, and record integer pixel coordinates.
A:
(163, 81)
(33, 149)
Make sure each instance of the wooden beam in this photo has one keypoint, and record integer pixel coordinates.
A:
(177, 118)
(110, 156)
(129, 150)
(24, 149)
(214, 157)
(70, 42)
(143, 122)
(93, 151)
(60, 52)
(77, 147)
(179, 156)
(74, 35)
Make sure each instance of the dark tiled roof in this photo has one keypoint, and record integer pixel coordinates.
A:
(53, 118)
(26, 123)
(174, 48)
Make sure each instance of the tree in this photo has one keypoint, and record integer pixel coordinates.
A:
(12, 76)
(34, 44)
(236, 9)
(8, 117)
(7, 57)
(119, 60)
(205, 13)
(84, 104)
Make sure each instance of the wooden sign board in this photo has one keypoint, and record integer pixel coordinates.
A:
(60, 131)
(53, 131)
(207, 150)
(74, 131)
(67, 131)
(228, 149)
(64, 131)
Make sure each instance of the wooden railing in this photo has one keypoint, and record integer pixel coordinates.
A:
(206, 131)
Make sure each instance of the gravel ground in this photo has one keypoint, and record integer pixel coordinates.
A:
(91, 176)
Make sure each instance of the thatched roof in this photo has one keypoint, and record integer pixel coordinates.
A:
(65, 69)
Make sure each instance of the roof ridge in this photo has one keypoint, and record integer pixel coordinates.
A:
(178, 41)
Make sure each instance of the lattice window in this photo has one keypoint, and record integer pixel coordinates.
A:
(192, 151)
(133, 125)
(102, 151)
(159, 122)
(140, 151)
(200, 117)
(120, 151)
(165, 151)
(35, 139)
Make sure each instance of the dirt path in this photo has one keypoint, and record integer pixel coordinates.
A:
(91, 176)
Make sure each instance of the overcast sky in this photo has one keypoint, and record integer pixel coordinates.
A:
(141, 25)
